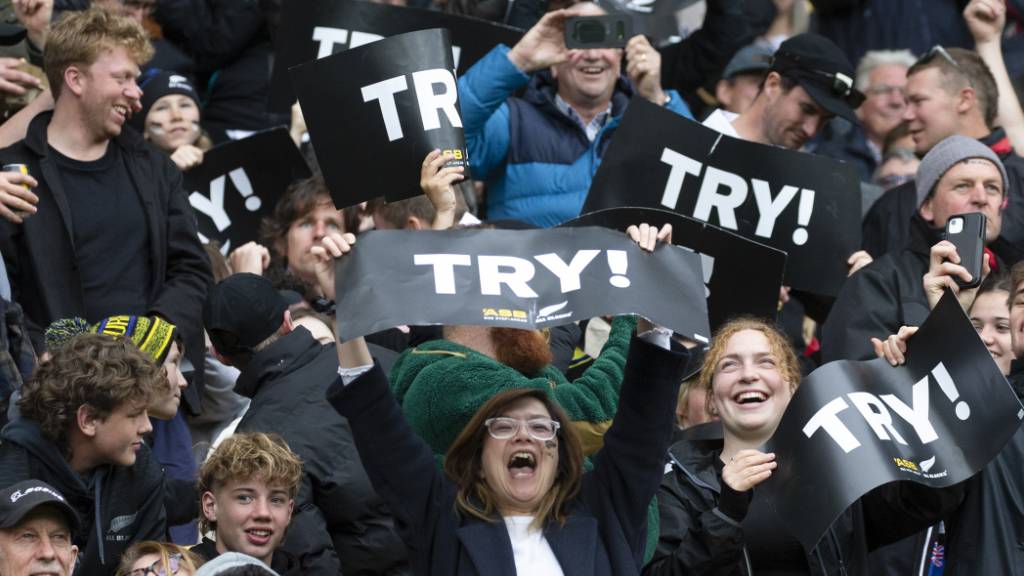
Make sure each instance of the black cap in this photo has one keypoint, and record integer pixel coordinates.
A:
(11, 34)
(156, 84)
(820, 68)
(242, 311)
(18, 500)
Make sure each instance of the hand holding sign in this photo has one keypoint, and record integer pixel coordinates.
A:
(436, 180)
(894, 348)
(647, 236)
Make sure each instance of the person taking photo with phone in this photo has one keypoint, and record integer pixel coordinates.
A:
(537, 153)
(958, 176)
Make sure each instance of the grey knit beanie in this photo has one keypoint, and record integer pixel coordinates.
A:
(949, 153)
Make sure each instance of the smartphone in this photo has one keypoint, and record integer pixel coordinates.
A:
(967, 233)
(608, 31)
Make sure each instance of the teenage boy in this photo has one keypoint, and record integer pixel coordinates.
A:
(83, 419)
(248, 488)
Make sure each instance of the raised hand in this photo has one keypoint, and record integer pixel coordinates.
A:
(332, 246)
(747, 469)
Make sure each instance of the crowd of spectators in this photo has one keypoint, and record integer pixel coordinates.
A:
(173, 408)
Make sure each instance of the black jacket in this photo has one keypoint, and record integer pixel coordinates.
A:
(986, 534)
(130, 500)
(880, 298)
(287, 382)
(230, 43)
(688, 64)
(40, 253)
(886, 227)
(283, 563)
(605, 530)
(698, 538)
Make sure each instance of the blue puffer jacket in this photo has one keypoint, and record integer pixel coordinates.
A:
(537, 162)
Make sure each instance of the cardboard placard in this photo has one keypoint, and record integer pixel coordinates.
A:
(515, 279)
(375, 112)
(742, 277)
(852, 426)
(239, 183)
(312, 29)
(805, 205)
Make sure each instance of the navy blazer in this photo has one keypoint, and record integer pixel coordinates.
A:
(606, 528)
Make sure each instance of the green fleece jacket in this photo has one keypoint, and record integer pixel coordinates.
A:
(441, 384)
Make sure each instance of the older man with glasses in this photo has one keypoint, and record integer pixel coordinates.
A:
(882, 77)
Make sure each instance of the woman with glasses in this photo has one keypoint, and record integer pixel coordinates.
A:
(513, 497)
(151, 558)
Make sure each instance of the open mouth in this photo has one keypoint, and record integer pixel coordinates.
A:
(750, 397)
(522, 464)
(592, 70)
(259, 536)
(122, 110)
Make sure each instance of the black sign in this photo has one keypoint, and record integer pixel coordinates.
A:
(515, 279)
(853, 426)
(805, 205)
(741, 276)
(375, 112)
(239, 183)
(312, 29)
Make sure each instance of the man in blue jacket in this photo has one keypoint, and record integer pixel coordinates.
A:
(538, 153)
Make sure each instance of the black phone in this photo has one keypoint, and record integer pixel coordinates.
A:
(608, 31)
(967, 233)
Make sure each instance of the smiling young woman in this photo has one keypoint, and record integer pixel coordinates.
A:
(712, 521)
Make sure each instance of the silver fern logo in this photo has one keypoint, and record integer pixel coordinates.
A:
(548, 313)
(119, 523)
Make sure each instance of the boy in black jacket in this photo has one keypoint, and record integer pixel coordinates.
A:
(83, 419)
(248, 488)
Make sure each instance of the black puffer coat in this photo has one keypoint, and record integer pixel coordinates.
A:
(287, 383)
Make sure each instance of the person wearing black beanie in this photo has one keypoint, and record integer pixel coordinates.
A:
(169, 118)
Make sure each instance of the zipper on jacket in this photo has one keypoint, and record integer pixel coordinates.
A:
(839, 553)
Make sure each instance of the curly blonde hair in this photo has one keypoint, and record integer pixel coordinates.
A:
(266, 457)
(79, 37)
(94, 370)
(789, 367)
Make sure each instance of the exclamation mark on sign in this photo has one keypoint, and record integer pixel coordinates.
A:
(803, 217)
(963, 411)
(618, 263)
(241, 181)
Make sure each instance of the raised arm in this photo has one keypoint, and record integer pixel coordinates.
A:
(986, 20)
(393, 455)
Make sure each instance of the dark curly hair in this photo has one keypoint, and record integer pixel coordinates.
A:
(92, 369)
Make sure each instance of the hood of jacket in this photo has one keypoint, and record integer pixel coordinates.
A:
(292, 351)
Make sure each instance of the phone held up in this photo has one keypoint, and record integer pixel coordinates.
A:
(967, 233)
(608, 31)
